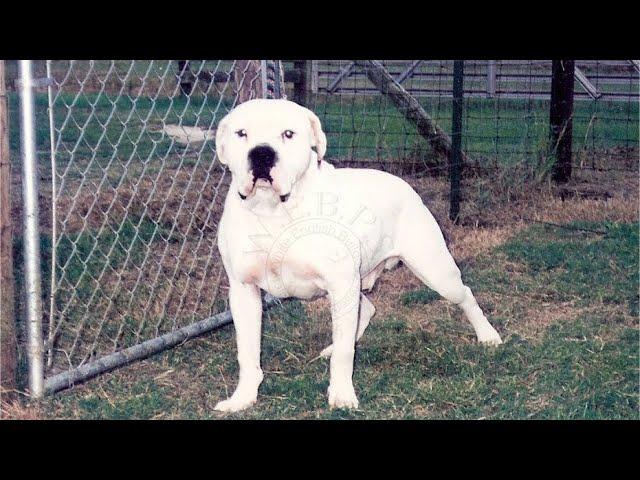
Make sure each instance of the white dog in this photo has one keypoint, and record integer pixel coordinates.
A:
(295, 226)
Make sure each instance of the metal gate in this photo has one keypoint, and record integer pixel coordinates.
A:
(136, 194)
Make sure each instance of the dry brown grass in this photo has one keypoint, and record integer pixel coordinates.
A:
(500, 222)
(189, 201)
(16, 410)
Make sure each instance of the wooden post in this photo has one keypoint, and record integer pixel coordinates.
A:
(560, 118)
(409, 107)
(185, 77)
(312, 76)
(300, 89)
(455, 158)
(8, 347)
(248, 79)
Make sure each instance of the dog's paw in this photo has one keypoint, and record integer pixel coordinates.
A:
(326, 353)
(342, 397)
(234, 404)
(489, 337)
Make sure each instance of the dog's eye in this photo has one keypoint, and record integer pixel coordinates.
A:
(241, 133)
(288, 134)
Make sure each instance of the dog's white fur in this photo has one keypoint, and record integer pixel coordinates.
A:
(335, 233)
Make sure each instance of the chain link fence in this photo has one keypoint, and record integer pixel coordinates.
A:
(137, 198)
(131, 195)
(131, 192)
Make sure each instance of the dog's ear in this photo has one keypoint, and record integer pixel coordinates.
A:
(319, 139)
(220, 140)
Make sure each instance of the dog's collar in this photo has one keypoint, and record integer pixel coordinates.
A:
(314, 149)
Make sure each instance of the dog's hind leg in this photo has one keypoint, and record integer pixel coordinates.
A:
(423, 250)
(367, 310)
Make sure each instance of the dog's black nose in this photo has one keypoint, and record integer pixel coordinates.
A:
(262, 158)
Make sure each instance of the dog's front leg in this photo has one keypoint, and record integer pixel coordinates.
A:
(345, 302)
(246, 309)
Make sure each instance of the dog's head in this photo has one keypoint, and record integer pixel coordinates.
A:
(267, 145)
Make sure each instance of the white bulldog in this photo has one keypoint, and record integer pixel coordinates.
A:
(296, 226)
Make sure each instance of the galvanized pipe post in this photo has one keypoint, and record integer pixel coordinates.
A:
(455, 156)
(54, 227)
(31, 234)
(272, 79)
(491, 78)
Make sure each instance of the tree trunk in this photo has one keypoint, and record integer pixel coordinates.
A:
(248, 78)
(8, 348)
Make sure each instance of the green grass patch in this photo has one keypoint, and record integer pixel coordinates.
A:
(510, 130)
(421, 296)
(581, 265)
(581, 367)
(85, 256)
(103, 129)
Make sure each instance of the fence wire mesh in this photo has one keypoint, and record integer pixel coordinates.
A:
(506, 110)
(505, 125)
(138, 194)
(131, 191)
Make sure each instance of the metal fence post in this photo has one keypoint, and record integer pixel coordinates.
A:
(491, 78)
(272, 79)
(54, 226)
(560, 118)
(31, 235)
(455, 157)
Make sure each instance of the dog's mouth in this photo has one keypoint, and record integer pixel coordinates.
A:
(262, 181)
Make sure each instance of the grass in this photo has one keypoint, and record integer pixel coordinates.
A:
(418, 360)
(358, 128)
(599, 268)
(511, 130)
(583, 363)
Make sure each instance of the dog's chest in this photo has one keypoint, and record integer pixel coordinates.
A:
(281, 259)
(290, 253)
